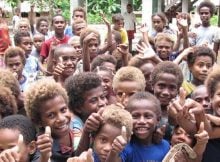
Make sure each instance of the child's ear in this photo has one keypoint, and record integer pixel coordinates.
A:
(32, 147)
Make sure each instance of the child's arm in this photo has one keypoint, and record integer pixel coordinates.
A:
(12, 154)
(91, 125)
(144, 31)
(183, 54)
(202, 138)
(118, 145)
(85, 51)
(215, 130)
(44, 144)
(123, 49)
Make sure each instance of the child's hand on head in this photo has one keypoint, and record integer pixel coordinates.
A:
(12, 154)
(120, 141)
(93, 122)
(44, 144)
(86, 156)
(91, 36)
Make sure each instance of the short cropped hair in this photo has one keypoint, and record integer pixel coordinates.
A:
(19, 35)
(60, 48)
(118, 117)
(129, 73)
(208, 4)
(145, 96)
(38, 93)
(200, 51)
(8, 80)
(13, 52)
(170, 68)
(40, 20)
(8, 105)
(77, 85)
(99, 60)
(164, 36)
(86, 32)
(117, 17)
(57, 16)
(22, 124)
(213, 81)
(80, 9)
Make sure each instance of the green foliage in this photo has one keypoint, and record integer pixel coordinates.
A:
(65, 7)
(12, 3)
(214, 20)
(137, 5)
(96, 18)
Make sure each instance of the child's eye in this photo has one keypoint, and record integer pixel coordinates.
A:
(63, 110)
(51, 115)
(119, 94)
(103, 140)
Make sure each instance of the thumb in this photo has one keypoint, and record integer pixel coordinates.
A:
(182, 96)
(124, 132)
(48, 130)
(201, 127)
(18, 147)
(100, 111)
(89, 156)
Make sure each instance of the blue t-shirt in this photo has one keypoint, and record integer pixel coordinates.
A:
(68, 31)
(136, 152)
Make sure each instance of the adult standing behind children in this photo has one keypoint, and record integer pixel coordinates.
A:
(130, 24)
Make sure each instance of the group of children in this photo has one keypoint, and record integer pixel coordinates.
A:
(72, 92)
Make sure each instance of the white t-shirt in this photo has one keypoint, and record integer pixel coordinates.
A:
(15, 20)
(129, 20)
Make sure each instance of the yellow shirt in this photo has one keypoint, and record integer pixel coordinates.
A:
(188, 87)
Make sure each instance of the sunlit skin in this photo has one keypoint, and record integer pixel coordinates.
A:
(118, 25)
(78, 15)
(43, 28)
(59, 25)
(93, 48)
(164, 49)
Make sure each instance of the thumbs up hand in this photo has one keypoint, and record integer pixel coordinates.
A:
(44, 144)
(120, 141)
(202, 136)
(12, 154)
(84, 157)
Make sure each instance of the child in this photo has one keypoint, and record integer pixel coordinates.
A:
(110, 139)
(78, 26)
(86, 95)
(10, 129)
(15, 61)
(146, 113)
(42, 26)
(75, 42)
(23, 25)
(8, 105)
(200, 63)
(118, 23)
(126, 82)
(107, 76)
(32, 64)
(65, 57)
(58, 23)
(46, 103)
(38, 40)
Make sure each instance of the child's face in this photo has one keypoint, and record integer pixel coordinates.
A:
(118, 25)
(181, 136)
(55, 113)
(110, 66)
(104, 139)
(201, 68)
(93, 48)
(201, 96)
(59, 24)
(147, 69)
(205, 15)
(94, 99)
(43, 28)
(215, 101)
(145, 119)
(23, 27)
(126, 89)
(14, 64)
(164, 49)
(26, 45)
(106, 81)
(78, 48)
(38, 41)
(69, 60)
(158, 24)
(165, 88)
(77, 15)
(78, 28)
(9, 139)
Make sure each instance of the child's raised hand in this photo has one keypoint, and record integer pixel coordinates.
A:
(144, 28)
(93, 122)
(91, 36)
(84, 157)
(120, 142)
(123, 49)
(202, 135)
(54, 44)
(44, 144)
(12, 154)
(182, 22)
(104, 19)
(148, 52)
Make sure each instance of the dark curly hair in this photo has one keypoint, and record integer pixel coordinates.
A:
(170, 68)
(77, 85)
(213, 81)
(40, 20)
(22, 124)
(13, 52)
(99, 60)
(208, 4)
(19, 35)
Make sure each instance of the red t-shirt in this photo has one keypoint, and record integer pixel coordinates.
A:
(4, 38)
(46, 45)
